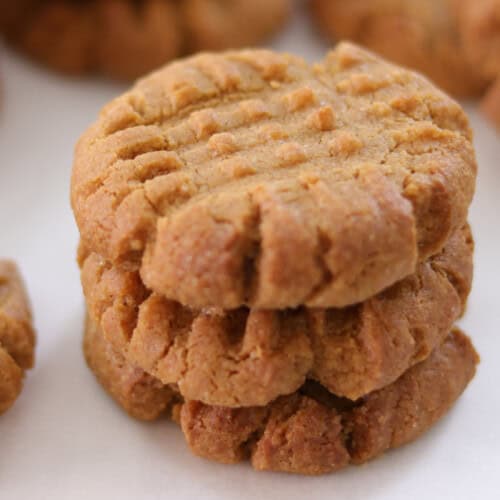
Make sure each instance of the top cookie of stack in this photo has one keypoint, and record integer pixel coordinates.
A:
(253, 179)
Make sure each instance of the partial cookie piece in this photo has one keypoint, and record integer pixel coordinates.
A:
(17, 338)
(421, 34)
(214, 174)
(250, 357)
(11, 380)
(311, 431)
(125, 39)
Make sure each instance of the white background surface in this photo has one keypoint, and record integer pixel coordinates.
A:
(65, 439)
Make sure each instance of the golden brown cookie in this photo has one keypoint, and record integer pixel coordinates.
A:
(252, 178)
(421, 34)
(216, 25)
(311, 431)
(249, 357)
(17, 338)
(127, 38)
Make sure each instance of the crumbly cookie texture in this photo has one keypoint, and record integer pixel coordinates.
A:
(127, 38)
(17, 338)
(421, 34)
(252, 178)
(140, 395)
(248, 357)
(311, 431)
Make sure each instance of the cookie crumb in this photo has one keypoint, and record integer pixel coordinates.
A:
(204, 123)
(345, 143)
(255, 110)
(223, 144)
(290, 153)
(299, 99)
(323, 119)
(273, 131)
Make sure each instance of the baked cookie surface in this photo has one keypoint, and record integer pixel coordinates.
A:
(17, 338)
(311, 431)
(252, 178)
(422, 34)
(127, 38)
(248, 357)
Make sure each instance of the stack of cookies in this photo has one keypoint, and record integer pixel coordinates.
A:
(275, 254)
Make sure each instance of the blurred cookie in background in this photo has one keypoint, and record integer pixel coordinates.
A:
(490, 105)
(479, 22)
(422, 35)
(124, 39)
(456, 43)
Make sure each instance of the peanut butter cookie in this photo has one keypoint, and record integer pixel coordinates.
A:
(249, 357)
(251, 178)
(127, 38)
(17, 338)
(311, 431)
(422, 34)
